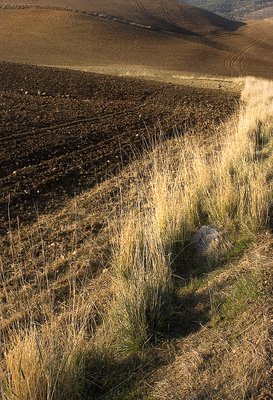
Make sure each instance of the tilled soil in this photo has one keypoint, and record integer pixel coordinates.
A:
(84, 42)
(163, 15)
(63, 131)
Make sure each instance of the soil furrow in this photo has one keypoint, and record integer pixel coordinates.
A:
(51, 160)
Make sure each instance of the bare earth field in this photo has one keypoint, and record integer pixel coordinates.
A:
(162, 15)
(75, 40)
(64, 131)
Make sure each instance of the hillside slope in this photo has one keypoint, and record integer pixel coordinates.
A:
(67, 39)
(262, 13)
(162, 15)
(106, 298)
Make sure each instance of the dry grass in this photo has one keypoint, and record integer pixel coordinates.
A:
(45, 365)
(224, 185)
(228, 357)
(184, 184)
(47, 361)
(143, 288)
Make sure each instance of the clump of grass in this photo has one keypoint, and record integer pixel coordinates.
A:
(47, 365)
(48, 361)
(143, 289)
(239, 200)
(178, 184)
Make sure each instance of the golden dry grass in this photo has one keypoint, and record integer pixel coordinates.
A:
(225, 185)
(45, 364)
(229, 356)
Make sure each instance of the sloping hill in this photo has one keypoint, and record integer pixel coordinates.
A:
(64, 278)
(74, 40)
(162, 15)
(69, 39)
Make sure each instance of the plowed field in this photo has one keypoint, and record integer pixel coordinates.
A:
(74, 40)
(64, 131)
(160, 15)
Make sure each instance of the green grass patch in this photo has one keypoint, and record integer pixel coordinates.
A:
(238, 247)
(131, 391)
(244, 292)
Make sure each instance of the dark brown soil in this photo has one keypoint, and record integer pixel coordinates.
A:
(62, 131)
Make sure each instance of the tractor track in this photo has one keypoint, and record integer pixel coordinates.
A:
(234, 63)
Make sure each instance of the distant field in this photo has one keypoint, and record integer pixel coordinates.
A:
(60, 38)
(162, 15)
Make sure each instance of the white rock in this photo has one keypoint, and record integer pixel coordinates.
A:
(207, 238)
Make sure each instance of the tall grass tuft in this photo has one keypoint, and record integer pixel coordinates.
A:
(46, 362)
(143, 288)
